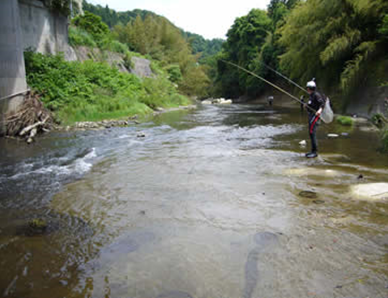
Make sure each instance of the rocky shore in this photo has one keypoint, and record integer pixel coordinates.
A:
(105, 124)
(214, 101)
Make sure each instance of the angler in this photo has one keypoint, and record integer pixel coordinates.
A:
(315, 103)
(317, 107)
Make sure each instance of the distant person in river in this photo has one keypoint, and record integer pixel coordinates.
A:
(270, 100)
(314, 107)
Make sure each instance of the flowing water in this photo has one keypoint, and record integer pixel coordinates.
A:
(217, 202)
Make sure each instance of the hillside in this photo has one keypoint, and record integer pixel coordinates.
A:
(199, 45)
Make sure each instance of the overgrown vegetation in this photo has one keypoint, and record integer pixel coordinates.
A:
(384, 139)
(381, 122)
(341, 43)
(148, 34)
(158, 39)
(252, 43)
(337, 41)
(345, 120)
(91, 90)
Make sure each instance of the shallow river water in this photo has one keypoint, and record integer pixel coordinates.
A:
(207, 205)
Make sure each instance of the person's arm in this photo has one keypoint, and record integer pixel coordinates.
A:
(321, 102)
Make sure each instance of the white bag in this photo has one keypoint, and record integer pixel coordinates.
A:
(327, 113)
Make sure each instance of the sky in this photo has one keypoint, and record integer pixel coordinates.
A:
(209, 18)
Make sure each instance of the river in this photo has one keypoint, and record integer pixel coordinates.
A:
(207, 205)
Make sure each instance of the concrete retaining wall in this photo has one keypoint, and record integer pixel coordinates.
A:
(368, 102)
(12, 70)
(43, 30)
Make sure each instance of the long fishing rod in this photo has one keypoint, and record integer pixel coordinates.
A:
(268, 82)
(283, 76)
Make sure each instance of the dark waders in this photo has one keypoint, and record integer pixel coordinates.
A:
(313, 124)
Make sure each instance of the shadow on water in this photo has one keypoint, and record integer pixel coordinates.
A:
(264, 241)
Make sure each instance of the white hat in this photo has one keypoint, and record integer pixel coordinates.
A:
(311, 84)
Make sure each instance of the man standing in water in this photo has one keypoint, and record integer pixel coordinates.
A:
(270, 100)
(314, 108)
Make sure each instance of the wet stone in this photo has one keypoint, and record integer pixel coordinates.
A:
(36, 226)
(141, 135)
(318, 202)
(175, 294)
(308, 194)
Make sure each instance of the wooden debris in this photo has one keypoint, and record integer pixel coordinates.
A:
(29, 120)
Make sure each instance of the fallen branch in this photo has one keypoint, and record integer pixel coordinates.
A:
(30, 115)
(28, 128)
(33, 133)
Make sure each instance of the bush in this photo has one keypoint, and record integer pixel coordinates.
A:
(345, 120)
(79, 37)
(379, 120)
(118, 47)
(93, 25)
(94, 91)
(174, 73)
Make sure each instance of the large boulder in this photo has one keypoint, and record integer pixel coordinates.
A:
(142, 67)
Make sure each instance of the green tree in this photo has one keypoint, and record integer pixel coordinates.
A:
(243, 46)
(93, 25)
(383, 30)
(336, 41)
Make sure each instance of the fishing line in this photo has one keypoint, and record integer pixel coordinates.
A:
(269, 83)
(284, 77)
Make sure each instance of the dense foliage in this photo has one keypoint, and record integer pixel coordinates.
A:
(205, 47)
(157, 38)
(337, 41)
(341, 43)
(93, 91)
(199, 45)
(245, 40)
(113, 18)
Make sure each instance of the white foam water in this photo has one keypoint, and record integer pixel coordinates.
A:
(79, 166)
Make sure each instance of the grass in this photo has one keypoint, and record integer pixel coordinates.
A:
(93, 112)
(345, 120)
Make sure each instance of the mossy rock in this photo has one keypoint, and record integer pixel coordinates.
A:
(345, 120)
(37, 226)
(308, 194)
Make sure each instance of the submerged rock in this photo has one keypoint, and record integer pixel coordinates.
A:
(308, 194)
(332, 135)
(318, 202)
(37, 226)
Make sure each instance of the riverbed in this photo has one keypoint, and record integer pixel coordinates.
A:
(204, 203)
